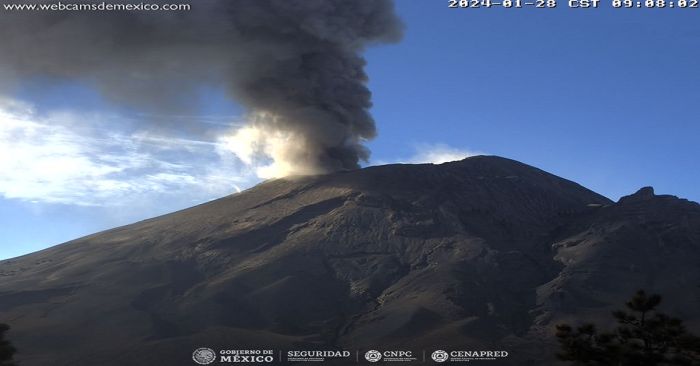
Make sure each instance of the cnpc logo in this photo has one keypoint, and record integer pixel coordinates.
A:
(373, 356)
(389, 356)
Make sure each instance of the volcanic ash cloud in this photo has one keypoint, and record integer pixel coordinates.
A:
(297, 66)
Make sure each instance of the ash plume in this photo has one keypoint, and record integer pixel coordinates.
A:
(296, 65)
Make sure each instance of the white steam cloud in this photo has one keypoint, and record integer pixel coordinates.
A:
(270, 152)
(439, 153)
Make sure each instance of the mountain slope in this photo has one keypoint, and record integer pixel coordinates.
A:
(482, 253)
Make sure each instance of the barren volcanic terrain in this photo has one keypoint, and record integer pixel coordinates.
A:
(484, 253)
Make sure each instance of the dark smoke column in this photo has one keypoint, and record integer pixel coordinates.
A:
(306, 71)
(297, 66)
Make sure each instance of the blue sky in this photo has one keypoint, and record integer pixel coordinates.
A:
(605, 97)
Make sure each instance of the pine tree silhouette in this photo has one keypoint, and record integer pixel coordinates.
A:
(643, 337)
(6, 350)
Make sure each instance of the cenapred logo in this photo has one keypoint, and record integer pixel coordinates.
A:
(373, 356)
(204, 356)
(440, 356)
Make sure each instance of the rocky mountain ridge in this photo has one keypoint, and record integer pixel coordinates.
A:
(484, 253)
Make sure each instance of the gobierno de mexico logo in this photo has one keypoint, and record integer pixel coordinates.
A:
(204, 356)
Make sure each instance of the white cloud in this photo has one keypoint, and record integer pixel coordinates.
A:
(438, 154)
(433, 154)
(56, 159)
(53, 159)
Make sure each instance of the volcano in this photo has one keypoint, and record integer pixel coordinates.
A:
(481, 254)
